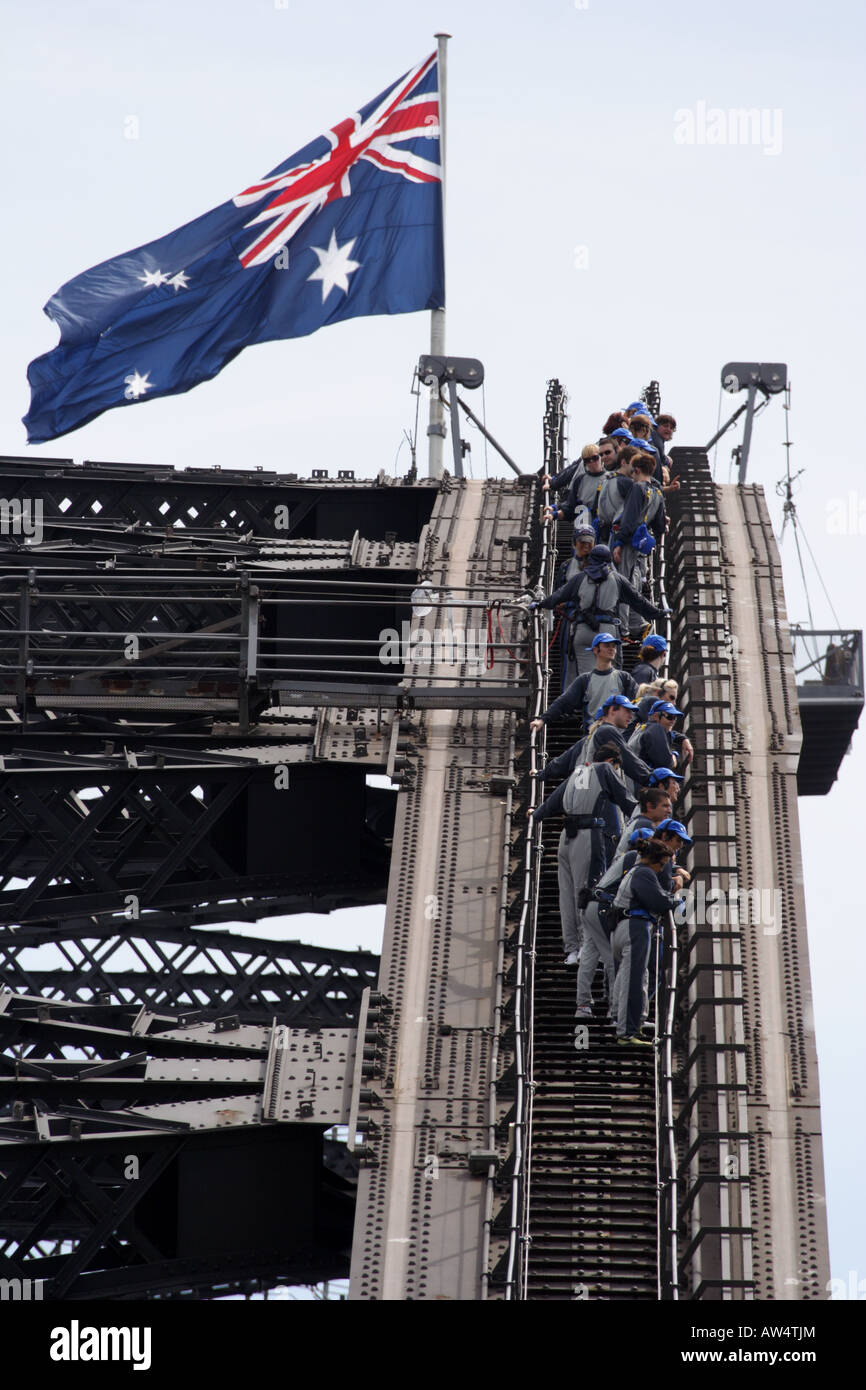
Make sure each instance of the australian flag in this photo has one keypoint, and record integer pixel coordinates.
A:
(350, 225)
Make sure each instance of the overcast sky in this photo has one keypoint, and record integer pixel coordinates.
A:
(587, 238)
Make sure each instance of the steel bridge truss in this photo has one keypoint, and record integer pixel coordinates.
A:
(122, 1131)
(197, 972)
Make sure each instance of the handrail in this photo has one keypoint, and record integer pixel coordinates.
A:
(667, 1131)
(524, 979)
(515, 1281)
(665, 1061)
(497, 1030)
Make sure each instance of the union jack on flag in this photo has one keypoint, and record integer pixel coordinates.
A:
(350, 225)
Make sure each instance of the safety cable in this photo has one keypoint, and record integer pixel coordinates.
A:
(534, 838)
(496, 607)
(498, 1010)
(785, 490)
(413, 443)
(518, 1243)
(399, 447)
(517, 1258)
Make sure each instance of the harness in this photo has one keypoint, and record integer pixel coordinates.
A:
(573, 824)
(593, 614)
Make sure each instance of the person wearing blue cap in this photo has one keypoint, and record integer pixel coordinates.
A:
(674, 830)
(673, 833)
(614, 717)
(607, 728)
(622, 436)
(652, 659)
(588, 799)
(652, 741)
(668, 779)
(674, 879)
(664, 692)
(593, 599)
(588, 691)
(597, 929)
(639, 903)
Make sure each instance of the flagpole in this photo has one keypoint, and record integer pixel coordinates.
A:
(436, 428)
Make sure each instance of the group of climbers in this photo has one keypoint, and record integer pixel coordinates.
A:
(618, 783)
(614, 497)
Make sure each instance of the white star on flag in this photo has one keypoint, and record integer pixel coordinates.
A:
(334, 266)
(180, 281)
(136, 385)
(153, 277)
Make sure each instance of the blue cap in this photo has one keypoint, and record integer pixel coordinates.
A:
(584, 533)
(645, 446)
(602, 637)
(677, 827)
(664, 707)
(621, 434)
(662, 774)
(658, 644)
(637, 405)
(642, 834)
(621, 700)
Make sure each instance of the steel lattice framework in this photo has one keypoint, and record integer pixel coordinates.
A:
(196, 972)
(152, 785)
(135, 499)
(168, 832)
(120, 1128)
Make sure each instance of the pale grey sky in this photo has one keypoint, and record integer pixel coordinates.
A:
(584, 241)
